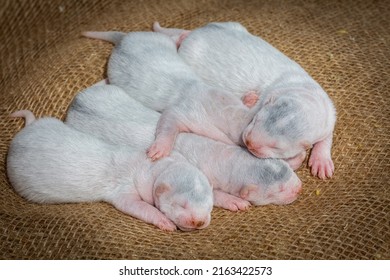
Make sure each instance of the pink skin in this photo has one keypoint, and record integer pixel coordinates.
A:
(263, 152)
(250, 99)
(262, 145)
(296, 162)
(133, 206)
(177, 35)
(268, 148)
(29, 116)
(130, 204)
(320, 159)
(190, 223)
(193, 223)
(230, 202)
(171, 124)
(167, 130)
(182, 37)
(180, 118)
(184, 213)
(285, 194)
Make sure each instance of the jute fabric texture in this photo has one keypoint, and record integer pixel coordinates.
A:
(344, 45)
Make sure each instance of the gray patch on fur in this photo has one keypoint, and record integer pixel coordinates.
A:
(266, 172)
(270, 173)
(276, 125)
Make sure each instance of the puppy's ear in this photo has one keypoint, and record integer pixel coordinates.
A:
(247, 190)
(160, 189)
(250, 99)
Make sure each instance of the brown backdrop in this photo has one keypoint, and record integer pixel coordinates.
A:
(343, 44)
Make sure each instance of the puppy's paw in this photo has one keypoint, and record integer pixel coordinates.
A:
(321, 166)
(166, 225)
(158, 150)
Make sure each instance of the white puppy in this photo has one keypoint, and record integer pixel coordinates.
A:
(146, 65)
(294, 112)
(50, 162)
(109, 113)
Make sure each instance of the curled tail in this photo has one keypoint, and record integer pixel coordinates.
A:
(26, 114)
(177, 35)
(111, 36)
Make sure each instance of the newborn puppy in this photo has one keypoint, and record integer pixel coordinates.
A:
(146, 65)
(294, 112)
(109, 113)
(50, 162)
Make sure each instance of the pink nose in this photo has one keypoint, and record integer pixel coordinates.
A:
(248, 143)
(197, 223)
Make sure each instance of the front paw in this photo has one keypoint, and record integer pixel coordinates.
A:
(322, 167)
(235, 204)
(166, 225)
(158, 150)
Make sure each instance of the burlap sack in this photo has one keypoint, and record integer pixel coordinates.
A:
(344, 45)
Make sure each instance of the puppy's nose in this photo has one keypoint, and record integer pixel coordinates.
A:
(197, 223)
(248, 143)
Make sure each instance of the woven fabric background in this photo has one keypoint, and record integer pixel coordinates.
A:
(344, 45)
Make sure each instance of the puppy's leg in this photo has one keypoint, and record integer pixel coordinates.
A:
(229, 202)
(320, 159)
(141, 210)
(167, 129)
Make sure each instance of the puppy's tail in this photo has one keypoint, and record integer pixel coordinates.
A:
(111, 36)
(26, 114)
(177, 35)
(171, 32)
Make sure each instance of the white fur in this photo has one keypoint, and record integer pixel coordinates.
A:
(146, 65)
(109, 113)
(50, 162)
(227, 56)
